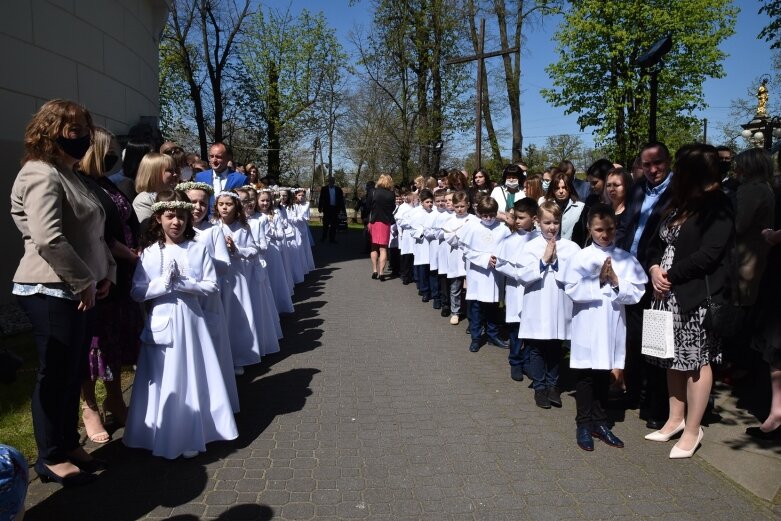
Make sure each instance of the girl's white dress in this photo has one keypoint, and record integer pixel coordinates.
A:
(244, 321)
(275, 233)
(290, 249)
(268, 316)
(213, 239)
(277, 275)
(179, 401)
(301, 222)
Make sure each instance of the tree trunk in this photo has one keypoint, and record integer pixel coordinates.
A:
(272, 123)
(512, 72)
(436, 77)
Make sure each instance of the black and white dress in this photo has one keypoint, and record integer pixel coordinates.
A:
(694, 346)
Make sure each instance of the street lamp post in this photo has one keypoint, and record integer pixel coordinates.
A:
(763, 128)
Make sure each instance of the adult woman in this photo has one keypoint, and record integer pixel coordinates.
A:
(596, 176)
(481, 185)
(156, 173)
(456, 179)
(383, 202)
(563, 193)
(170, 148)
(617, 185)
(509, 191)
(687, 263)
(117, 317)
(125, 179)
(253, 174)
(532, 187)
(66, 266)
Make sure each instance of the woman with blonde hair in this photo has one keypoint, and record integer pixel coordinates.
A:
(156, 173)
(118, 318)
(65, 268)
(380, 220)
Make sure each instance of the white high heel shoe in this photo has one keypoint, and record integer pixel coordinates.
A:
(677, 453)
(659, 436)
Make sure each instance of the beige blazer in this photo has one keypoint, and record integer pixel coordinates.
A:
(62, 226)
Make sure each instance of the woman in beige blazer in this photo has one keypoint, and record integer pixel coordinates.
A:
(66, 266)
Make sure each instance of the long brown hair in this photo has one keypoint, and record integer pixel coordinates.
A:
(40, 136)
(154, 232)
(696, 172)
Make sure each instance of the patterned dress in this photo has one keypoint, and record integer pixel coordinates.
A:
(694, 347)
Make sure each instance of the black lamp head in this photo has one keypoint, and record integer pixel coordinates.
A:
(655, 54)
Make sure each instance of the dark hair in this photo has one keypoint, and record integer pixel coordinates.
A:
(526, 205)
(455, 177)
(485, 174)
(754, 163)
(696, 170)
(460, 196)
(488, 205)
(440, 192)
(723, 148)
(515, 170)
(154, 232)
(554, 185)
(291, 198)
(656, 144)
(566, 166)
(238, 212)
(228, 150)
(134, 153)
(602, 211)
(533, 186)
(626, 178)
(600, 169)
(425, 194)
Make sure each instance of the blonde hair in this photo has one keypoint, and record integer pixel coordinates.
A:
(92, 162)
(150, 171)
(431, 183)
(385, 181)
(550, 207)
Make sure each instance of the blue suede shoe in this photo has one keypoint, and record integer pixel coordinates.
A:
(584, 439)
(606, 436)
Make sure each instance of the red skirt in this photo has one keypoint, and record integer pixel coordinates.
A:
(380, 233)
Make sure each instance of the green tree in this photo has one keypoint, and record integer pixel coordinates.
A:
(771, 33)
(596, 78)
(288, 62)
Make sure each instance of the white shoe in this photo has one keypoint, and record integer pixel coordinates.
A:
(454, 320)
(189, 454)
(238, 370)
(677, 453)
(659, 436)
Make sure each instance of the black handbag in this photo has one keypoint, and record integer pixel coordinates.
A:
(721, 318)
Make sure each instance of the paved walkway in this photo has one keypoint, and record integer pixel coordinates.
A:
(376, 410)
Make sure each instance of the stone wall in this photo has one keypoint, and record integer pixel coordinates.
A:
(101, 53)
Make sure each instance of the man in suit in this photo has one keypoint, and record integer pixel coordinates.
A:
(331, 202)
(220, 177)
(645, 207)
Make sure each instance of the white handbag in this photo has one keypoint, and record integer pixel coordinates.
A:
(658, 335)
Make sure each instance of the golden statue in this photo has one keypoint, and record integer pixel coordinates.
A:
(762, 99)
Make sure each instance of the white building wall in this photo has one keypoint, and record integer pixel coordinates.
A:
(100, 53)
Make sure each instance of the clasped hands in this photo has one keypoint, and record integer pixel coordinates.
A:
(659, 281)
(607, 275)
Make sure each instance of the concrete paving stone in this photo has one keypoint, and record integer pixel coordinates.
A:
(352, 510)
(230, 473)
(274, 497)
(298, 511)
(221, 497)
(326, 484)
(301, 485)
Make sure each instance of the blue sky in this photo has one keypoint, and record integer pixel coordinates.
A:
(748, 59)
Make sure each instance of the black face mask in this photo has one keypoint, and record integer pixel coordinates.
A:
(724, 168)
(76, 148)
(109, 161)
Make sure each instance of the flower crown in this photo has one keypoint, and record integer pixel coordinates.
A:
(193, 185)
(226, 193)
(248, 187)
(172, 205)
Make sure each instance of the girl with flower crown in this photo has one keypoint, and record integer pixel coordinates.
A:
(180, 401)
(252, 333)
(281, 283)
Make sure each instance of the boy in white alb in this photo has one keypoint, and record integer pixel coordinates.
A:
(417, 223)
(547, 310)
(600, 279)
(484, 286)
(434, 237)
(406, 241)
(456, 266)
(520, 219)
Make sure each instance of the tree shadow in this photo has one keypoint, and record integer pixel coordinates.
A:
(236, 513)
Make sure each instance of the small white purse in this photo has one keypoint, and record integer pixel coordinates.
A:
(658, 335)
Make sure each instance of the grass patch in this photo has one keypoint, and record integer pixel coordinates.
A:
(16, 423)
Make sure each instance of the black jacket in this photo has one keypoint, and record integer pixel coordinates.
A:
(700, 249)
(630, 218)
(383, 202)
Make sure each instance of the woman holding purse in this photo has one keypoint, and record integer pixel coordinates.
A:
(688, 267)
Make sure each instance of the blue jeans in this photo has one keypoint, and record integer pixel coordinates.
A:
(433, 284)
(544, 360)
(480, 312)
(518, 355)
(424, 285)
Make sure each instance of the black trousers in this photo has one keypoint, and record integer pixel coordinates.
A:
(62, 337)
(444, 290)
(330, 222)
(405, 267)
(394, 258)
(646, 384)
(591, 391)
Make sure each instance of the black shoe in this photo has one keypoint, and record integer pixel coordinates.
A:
(374, 275)
(74, 480)
(498, 342)
(425, 298)
(554, 396)
(541, 399)
(606, 436)
(406, 282)
(516, 373)
(655, 424)
(437, 304)
(756, 432)
(91, 466)
(474, 347)
(445, 312)
(584, 439)
(383, 278)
